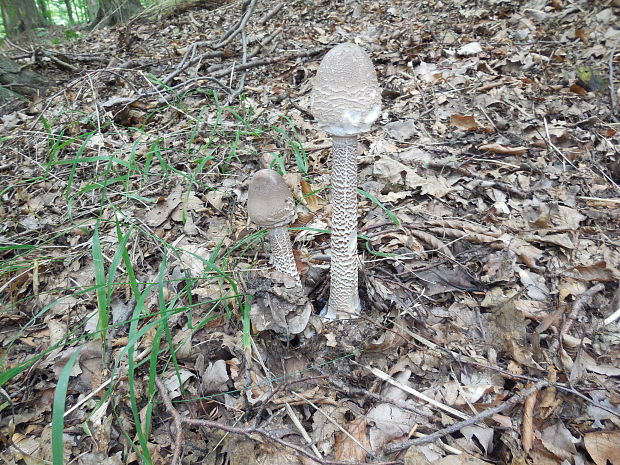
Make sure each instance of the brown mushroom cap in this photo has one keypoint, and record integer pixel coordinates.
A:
(270, 203)
(346, 97)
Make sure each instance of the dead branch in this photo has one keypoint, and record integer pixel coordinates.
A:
(514, 400)
(189, 59)
(350, 391)
(244, 61)
(270, 14)
(212, 77)
(612, 91)
(581, 301)
(555, 149)
(239, 27)
(269, 61)
(248, 432)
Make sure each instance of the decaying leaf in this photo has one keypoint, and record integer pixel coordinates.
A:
(355, 446)
(603, 447)
(502, 149)
(465, 122)
(123, 199)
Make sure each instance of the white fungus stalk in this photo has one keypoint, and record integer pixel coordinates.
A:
(345, 101)
(282, 252)
(344, 295)
(271, 206)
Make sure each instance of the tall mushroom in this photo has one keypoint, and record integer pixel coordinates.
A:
(271, 206)
(345, 101)
(284, 309)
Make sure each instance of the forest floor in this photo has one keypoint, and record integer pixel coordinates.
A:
(489, 241)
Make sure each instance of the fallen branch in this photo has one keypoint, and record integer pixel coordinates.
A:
(581, 301)
(555, 149)
(612, 91)
(482, 180)
(270, 14)
(239, 27)
(125, 101)
(248, 432)
(514, 400)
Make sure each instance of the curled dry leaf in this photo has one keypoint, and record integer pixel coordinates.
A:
(502, 149)
(599, 272)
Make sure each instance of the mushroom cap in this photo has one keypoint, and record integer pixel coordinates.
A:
(346, 97)
(270, 203)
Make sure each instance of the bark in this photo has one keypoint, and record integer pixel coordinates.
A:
(91, 9)
(111, 12)
(20, 17)
(165, 8)
(44, 12)
(70, 11)
(15, 78)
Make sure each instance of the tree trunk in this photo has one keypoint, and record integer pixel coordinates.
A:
(91, 9)
(111, 12)
(69, 11)
(44, 12)
(20, 17)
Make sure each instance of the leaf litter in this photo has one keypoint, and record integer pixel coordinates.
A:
(491, 310)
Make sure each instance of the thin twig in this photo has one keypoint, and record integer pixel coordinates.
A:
(469, 360)
(350, 391)
(302, 430)
(514, 400)
(555, 149)
(612, 91)
(270, 14)
(269, 61)
(176, 418)
(239, 27)
(335, 423)
(613, 317)
(387, 378)
(244, 61)
(578, 306)
(247, 432)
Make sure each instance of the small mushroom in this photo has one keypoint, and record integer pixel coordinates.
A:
(271, 206)
(345, 101)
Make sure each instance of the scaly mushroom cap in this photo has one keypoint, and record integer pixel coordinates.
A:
(345, 98)
(270, 203)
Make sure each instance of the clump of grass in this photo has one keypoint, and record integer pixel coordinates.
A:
(106, 176)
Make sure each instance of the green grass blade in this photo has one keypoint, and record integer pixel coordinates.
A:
(370, 197)
(58, 412)
(103, 302)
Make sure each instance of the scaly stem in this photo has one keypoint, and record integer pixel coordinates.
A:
(282, 252)
(343, 295)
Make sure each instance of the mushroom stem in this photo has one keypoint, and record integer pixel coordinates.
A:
(271, 206)
(344, 295)
(282, 253)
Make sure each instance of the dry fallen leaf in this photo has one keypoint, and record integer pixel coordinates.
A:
(465, 122)
(346, 448)
(502, 149)
(313, 201)
(603, 447)
(463, 459)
